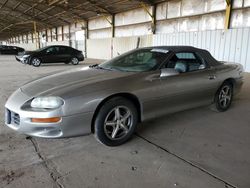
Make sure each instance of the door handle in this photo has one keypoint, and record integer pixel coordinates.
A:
(211, 77)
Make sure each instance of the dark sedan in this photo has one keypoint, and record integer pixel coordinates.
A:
(13, 50)
(51, 54)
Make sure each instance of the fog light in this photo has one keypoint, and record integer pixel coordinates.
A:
(46, 120)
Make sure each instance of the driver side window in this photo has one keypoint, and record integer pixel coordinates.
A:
(186, 62)
(52, 50)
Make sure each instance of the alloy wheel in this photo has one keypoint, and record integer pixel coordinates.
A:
(74, 61)
(36, 62)
(225, 96)
(118, 123)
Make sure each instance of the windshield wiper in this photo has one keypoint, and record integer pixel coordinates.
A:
(92, 66)
(96, 66)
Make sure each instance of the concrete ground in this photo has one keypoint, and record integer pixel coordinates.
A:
(194, 148)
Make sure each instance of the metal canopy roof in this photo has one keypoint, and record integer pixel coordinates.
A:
(18, 16)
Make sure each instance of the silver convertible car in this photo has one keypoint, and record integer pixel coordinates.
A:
(110, 99)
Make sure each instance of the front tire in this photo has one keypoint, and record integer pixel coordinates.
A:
(36, 62)
(116, 122)
(224, 97)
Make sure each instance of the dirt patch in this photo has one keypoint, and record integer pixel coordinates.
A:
(11, 176)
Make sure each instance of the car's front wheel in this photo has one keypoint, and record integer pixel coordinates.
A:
(36, 62)
(74, 61)
(224, 97)
(116, 121)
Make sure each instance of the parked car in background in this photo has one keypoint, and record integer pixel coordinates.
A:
(110, 99)
(13, 50)
(51, 54)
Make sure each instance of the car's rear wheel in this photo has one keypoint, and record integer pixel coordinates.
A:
(116, 121)
(74, 61)
(224, 97)
(36, 62)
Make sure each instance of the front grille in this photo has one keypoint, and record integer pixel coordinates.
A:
(15, 118)
(12, 117)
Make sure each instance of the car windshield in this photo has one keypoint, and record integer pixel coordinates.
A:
(136, 60)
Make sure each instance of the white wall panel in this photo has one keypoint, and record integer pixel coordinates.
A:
(66, 43)
(214, 5)
(168, 26)
(161, 11)
(99, 23)
(246, 3)
(132, 17)
(191, 7)
(213, 21)
(133, 30)
(123, 44)
(237, 3)
(99, 48)
(102, 33)
(240, 18)
(174, 9)
(231, 45)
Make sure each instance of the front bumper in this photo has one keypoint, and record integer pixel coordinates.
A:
(22, 60)
(20, 120)
(238, 85)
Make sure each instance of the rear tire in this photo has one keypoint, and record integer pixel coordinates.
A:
(116, 121)
(36, 62)
(224, 97)
(74, 61)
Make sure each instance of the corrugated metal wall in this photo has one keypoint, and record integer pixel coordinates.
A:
(225, 45)
(111, 47)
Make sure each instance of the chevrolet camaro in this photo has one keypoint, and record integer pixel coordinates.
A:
(111, 98)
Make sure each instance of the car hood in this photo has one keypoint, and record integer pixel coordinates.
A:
(74, 78)
(25, 53)
(28, 52)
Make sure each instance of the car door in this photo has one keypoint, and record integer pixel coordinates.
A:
(64, 53)
(50, 55)
(195, 85)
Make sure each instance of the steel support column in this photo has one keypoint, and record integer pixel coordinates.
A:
(152, 15)
(62, 33)
(228, 13)
(36, 35)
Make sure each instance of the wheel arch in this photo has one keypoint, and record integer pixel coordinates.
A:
(134, 99)
(231, 81)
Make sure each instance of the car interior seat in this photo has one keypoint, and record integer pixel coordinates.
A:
(181, 66)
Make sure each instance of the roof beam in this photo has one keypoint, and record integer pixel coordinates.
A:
(28, 16)
(149, 2)
(65, 11)
(42, 12)
(99, 7)
(2, 5)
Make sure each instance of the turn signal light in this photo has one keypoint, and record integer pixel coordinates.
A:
(46, 120)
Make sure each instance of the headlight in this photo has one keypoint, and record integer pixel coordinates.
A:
(50, 102)
(25, 56)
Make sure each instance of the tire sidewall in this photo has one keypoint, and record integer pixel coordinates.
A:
(101, 116)
(217, 97)
(33, 63)
(71, 60)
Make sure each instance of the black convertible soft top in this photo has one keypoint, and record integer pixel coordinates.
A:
(204, 53)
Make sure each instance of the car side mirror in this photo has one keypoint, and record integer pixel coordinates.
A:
(166, 72)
